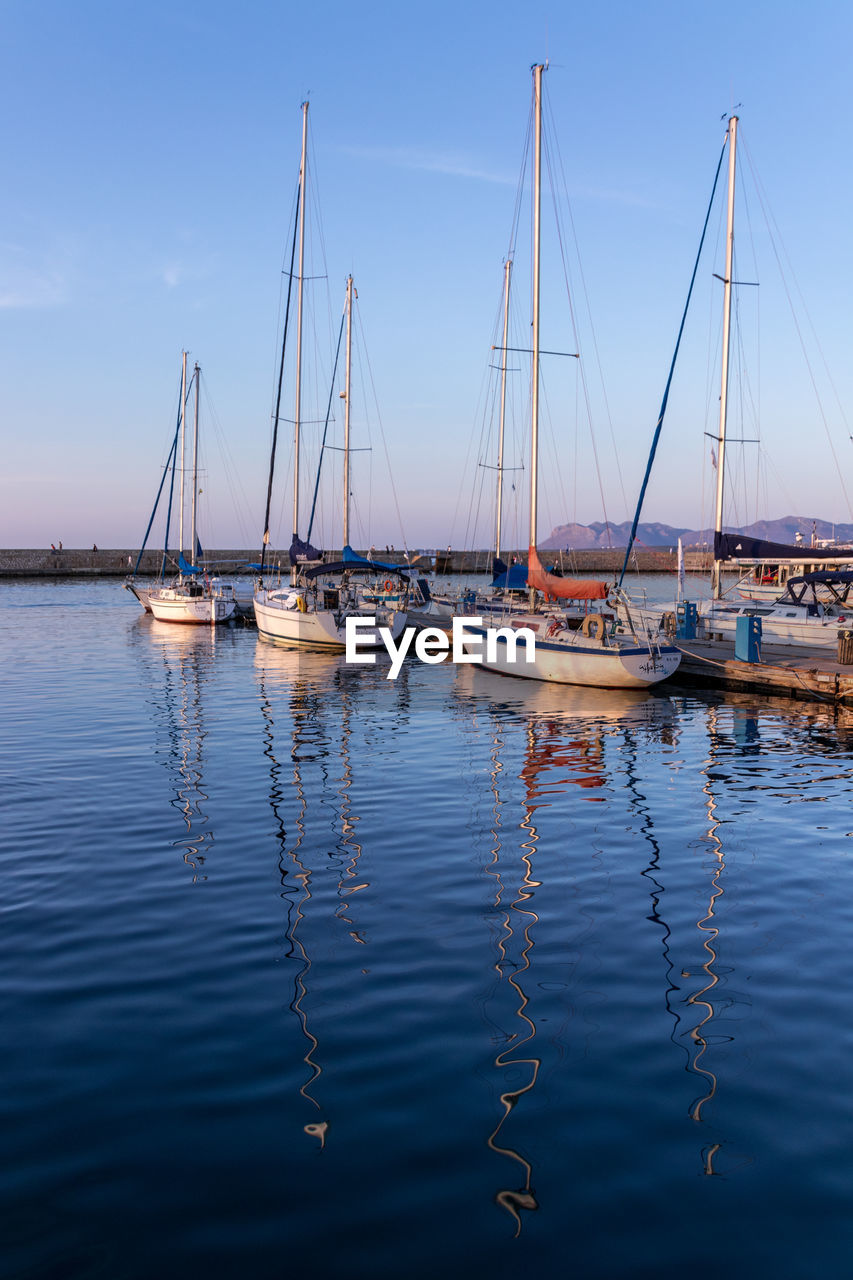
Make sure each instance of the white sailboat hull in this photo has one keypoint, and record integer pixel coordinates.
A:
(317, 628)
(142, 594)
(780, 625)
(172, 605)
(570, 658)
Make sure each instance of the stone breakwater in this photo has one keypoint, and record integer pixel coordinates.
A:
(119, 561)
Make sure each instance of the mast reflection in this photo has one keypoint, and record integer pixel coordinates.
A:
(293, 687)
(564, 732)
(514, 1199)
(182, 658)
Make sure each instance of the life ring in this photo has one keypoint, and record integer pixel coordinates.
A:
(594, 626)
(301, 606)
(554, 628)
(388, 586)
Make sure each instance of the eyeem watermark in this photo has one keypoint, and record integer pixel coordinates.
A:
(433, 645)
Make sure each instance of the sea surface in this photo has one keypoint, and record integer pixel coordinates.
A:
(310, 973)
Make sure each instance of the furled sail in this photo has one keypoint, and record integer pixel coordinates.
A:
(303, 553)
(558, 588)
(736, 546)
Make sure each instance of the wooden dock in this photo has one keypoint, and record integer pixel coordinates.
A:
(811, 675)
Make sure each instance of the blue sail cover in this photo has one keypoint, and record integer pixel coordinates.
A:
(508, 577)
(188, 568)
(736, 546)
(301, 551)
(350, 557)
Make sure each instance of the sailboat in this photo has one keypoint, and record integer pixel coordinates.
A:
(594, 653)
(189, 600)
(810, 605)
(314, 608)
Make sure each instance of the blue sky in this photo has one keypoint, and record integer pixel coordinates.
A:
(149, 162)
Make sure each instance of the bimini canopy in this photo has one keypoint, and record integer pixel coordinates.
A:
(353, 559)
(734, 546)
(562, 588)
(838, 585)
(348, 566)
(508, 578)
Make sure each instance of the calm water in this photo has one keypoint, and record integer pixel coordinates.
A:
(309, 973)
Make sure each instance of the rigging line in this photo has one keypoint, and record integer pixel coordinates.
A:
(231, 473)
(474, 448)
(659, 424)
(326, 427)
(316, 206)
(776, 254)
(381, 429)
(572, 313)
(519, 190)
(169, 511)
(754, 399)
(585, 291)
(169, 463)
(266, 536)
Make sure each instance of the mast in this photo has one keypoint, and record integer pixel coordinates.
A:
(193, 535)
(724, 376)
(507, 272)
(183, 448)
(537, 203)
(347, 411)
(299, 293)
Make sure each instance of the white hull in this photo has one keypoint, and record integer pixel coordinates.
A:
(770, 594)
(142, 594)
(780, 624)
(571, 658)
(170, 604)
(320, 628)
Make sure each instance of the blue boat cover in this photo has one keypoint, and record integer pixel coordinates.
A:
(353, 566)
(735, 546)
(842, 578)
(188, 568)
(508, 577)
(300, 550)
(352, 558)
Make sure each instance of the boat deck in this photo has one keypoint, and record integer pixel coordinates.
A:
(791, 670)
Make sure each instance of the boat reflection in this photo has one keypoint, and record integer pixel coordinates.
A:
(308, 700)
(516, 922)
(179, 660)
(565, 732)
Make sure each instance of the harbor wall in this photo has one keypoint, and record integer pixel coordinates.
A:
(119, 561)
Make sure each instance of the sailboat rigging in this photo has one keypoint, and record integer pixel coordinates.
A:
(591, 654)
(814, 603)
(188, 600)
(313, 610)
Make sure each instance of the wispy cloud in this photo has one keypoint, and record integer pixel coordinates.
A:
(458, 165)
(172, 275)
(455, 165)
(28, 283)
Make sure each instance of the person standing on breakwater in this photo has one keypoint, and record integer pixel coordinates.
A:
(53, 546)
(60, 546)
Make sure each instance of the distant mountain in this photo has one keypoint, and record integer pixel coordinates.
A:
(581, 536)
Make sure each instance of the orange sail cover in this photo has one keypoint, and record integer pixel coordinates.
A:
(561, 588)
